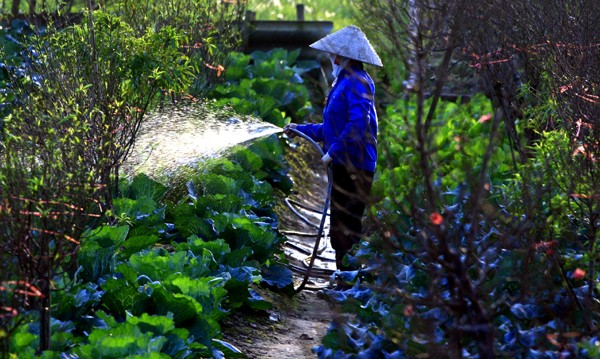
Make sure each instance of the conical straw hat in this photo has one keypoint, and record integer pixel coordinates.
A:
(349, 42)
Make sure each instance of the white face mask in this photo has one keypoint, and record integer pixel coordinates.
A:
(337, 68)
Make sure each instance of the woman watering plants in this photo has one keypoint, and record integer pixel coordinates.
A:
(348, 133)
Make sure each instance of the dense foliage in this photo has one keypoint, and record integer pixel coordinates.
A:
(485, 222)
(416, 307)
(84, 258)
(212, 31)
(147, 274)
(158, 282)
(75, 99)
(268, 85)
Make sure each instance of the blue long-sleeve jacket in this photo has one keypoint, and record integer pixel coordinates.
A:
(349, 128)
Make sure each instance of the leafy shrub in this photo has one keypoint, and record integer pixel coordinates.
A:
(459, 138)
(213, 30)
(75, 99)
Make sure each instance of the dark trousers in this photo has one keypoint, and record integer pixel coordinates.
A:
(349, 196)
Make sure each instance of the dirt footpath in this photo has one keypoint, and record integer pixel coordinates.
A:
(295, 324)
(288, 331)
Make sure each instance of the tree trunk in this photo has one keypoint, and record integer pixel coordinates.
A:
(16, 4)
(45, 317)
(45, 289)
(32, 5)
(68, 5)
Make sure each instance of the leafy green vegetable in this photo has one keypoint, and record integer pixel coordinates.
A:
(97, 253)
(267, 85)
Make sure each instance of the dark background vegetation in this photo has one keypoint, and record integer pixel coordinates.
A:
(499, 258)
(485, 215)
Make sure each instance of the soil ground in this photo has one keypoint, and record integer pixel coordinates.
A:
(290, 330)
(296, 323)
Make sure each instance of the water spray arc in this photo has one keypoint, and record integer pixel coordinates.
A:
(315, 252)
(187, 135)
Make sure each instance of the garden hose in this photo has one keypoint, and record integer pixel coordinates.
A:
(302, 205)
(315, 252)
(299, 215)
(288, 203)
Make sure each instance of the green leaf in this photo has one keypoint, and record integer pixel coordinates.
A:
(96, 255)
(250, 161)
(277, 275)
(207, 291)
(213, 184)
(220, 203)
(265, 106)
(122, 341)
(151, 355)
(143, 186)
(228, 349)
(256, 301)
(182, 307)
(176, 344)
(129, 273)
(236, 66)
(335, 340)
(238, 257)
(188, 223)
(121, 296)
(77, 301)
(204, 330)
(22, 340)
(135, 244)
(157, 325)
(107, 236)
(244, 232)
(217, 247)
(141, 212)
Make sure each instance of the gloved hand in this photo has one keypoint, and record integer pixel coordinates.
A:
(287, 130)
(326, 159)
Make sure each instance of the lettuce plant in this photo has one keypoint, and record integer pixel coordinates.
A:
(268, 85)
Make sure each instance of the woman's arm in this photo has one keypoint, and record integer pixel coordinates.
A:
(312, 130)
(360, 101)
